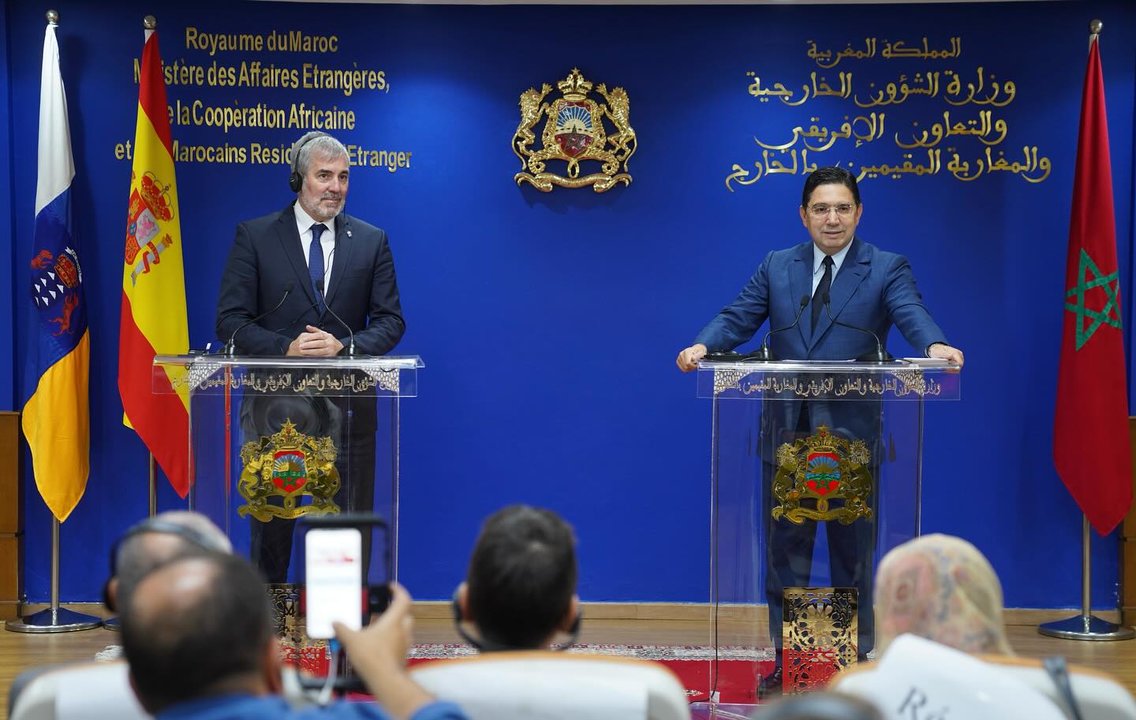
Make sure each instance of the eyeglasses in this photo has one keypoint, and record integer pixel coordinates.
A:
(821, 211)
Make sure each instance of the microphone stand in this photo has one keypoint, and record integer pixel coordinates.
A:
(765, 354)
(350, 332)
(327, 306)
(881, 356)
(231, 345)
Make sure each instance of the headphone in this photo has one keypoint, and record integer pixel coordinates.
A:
(156, 525)
(484, 645)
(296, 180)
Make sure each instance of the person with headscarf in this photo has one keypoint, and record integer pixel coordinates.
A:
(940, 631)
(941, 588)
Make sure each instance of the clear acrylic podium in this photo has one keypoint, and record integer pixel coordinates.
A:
(836, 449)
(275, 437)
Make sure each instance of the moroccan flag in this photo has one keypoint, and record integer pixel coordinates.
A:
(153, 284)
(1090, 433)
(56, 417)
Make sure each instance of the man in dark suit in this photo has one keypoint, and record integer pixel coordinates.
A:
(863, 287)
(271, 261)
(312, 281)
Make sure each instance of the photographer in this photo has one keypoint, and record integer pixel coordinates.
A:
(198, 636)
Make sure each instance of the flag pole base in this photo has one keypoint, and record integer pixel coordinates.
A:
(1086, 627)
(53, 620)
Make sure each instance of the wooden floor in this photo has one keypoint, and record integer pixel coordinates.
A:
(20, 651)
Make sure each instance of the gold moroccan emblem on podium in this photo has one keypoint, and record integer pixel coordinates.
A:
(288, 465)
(817, 470)
(575, 133)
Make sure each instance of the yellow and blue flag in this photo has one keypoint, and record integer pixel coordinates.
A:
(56, 416)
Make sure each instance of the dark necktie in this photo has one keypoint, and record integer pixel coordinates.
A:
(822, 290)
(315, 264)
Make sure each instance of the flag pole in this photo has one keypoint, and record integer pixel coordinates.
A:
(54, 619)
(1085, 626)
(115, 623)
(153, 487)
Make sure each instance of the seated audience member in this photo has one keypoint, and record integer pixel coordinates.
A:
(155, 541)
(521, 586)
(820, 705)
(939, 623)
(198, 637)
(144, 546)
(917, 678)
(941, 588)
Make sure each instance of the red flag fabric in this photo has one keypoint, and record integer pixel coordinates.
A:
(1090, 434)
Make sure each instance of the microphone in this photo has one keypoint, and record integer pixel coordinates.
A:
(881, 356)
(230, 347)
(764, 353)
(319, 289)
(350, 332)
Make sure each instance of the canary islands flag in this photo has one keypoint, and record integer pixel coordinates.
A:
(56, 417)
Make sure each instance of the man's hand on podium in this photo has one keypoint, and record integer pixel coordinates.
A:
(944, 351)
(688, 359)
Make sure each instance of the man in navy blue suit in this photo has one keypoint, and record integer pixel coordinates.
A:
(272, 262)
(311, 280)
(864, 288)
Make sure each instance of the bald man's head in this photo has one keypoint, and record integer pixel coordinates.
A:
(195, 627)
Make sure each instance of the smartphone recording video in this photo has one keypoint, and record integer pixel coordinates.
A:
(334, 579)
(347, 560)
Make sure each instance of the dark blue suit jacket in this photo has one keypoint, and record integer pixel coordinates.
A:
(874, 289)
(267, 260)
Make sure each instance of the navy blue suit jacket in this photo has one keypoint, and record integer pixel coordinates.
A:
(874, 289)
(267, 261)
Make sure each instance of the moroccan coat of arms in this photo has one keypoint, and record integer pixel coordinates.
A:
(290, 467)
(579, 132)
(823, 477)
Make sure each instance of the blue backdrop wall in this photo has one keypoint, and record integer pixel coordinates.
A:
(549, 323)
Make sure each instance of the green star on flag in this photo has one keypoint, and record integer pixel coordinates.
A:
(1088, 277)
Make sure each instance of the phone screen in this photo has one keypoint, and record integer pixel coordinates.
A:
(333, 571)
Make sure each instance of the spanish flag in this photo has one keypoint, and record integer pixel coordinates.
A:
(153, 285)
(56, 417)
